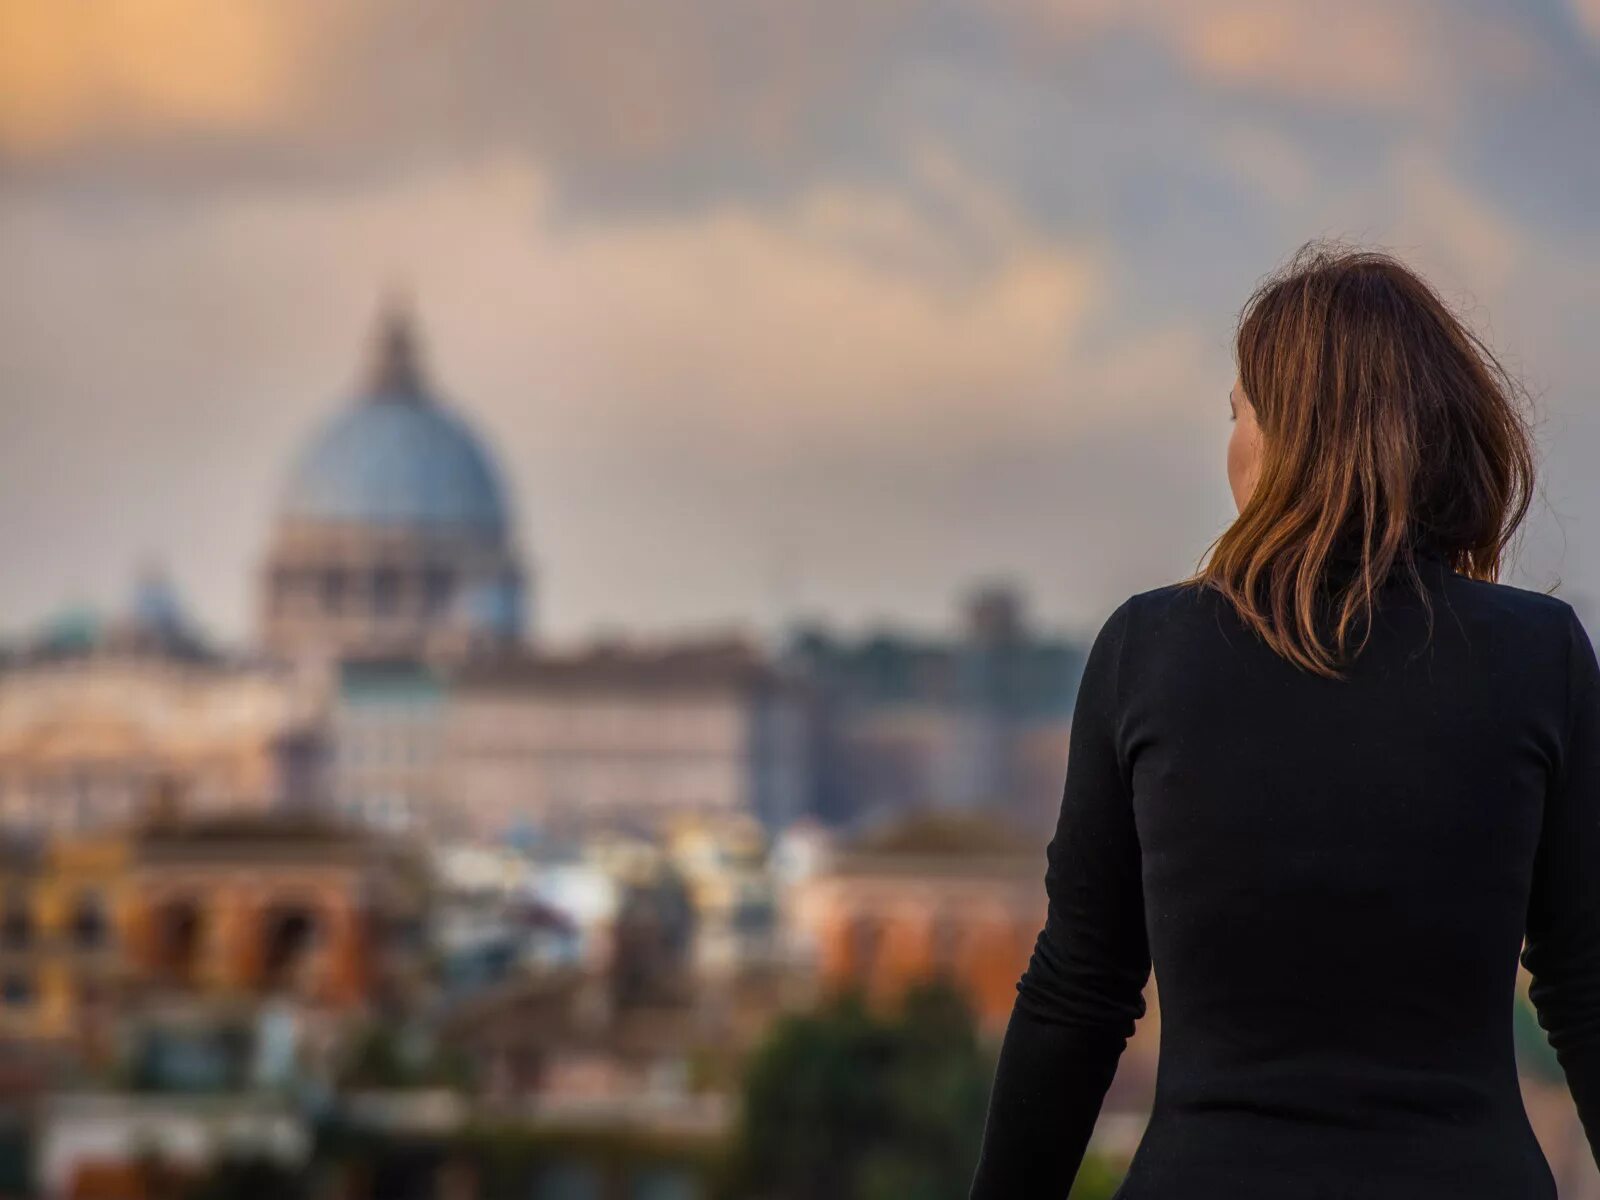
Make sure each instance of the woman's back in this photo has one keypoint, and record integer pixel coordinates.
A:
(1333, 879)
(1336, 879)
(1331, 786)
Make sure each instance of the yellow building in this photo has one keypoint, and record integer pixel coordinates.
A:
(61, 971)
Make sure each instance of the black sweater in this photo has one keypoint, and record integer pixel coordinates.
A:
(1334, 880)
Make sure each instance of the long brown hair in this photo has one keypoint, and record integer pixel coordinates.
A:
(1387, 426)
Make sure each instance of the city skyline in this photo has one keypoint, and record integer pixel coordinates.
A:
(815, 311)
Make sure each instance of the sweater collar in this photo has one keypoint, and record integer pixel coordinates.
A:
(1345, 553)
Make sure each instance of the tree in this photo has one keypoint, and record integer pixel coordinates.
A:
(845, 1104)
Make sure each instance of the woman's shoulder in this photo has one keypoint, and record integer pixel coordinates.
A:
(1534, 625)
(1191, 596)
(1509, 599)
(1171, 601)
(1520, 620)
(1149, 613)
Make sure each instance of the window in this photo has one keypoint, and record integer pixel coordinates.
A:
(89, 925)
(386, 591)
(16, 926)
(332, 590)
(437, 587)
(16, 991)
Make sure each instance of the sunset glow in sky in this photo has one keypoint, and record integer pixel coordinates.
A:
(768, 308)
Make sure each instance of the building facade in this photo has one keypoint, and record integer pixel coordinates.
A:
(623, 736)
(386, 725)
(224, 908)
(97, 713)
(977, 722)
(936, 896)
(393, 539)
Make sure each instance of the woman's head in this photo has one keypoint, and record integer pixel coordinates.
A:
(1369, 422)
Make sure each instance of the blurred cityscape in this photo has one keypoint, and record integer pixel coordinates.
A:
(400, 870)
(401, 901)
(611, 757)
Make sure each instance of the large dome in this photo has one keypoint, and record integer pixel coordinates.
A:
(393, 538)
(397, 458)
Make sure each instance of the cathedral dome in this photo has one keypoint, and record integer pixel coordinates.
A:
(396, 458)
(393, 539)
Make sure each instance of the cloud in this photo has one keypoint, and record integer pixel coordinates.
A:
(916, 290)
(1587, 13)
(614, 363)
(168, 92)
(1420, 55)
(1383, 55)
(1450, 222)
(322, 89)
(130, 70)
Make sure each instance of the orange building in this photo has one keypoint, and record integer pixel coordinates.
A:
(220, 908)
(938, 896)
(955, 897)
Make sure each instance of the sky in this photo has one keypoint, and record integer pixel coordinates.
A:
(768, 309)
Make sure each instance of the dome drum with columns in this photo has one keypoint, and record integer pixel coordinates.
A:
(393, 538)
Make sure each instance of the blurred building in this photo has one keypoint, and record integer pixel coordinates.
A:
(979, 721)
(116, 1146)
(224, 908)
(393, 538)
(956, 897)
(318, 913)
(935, 896)
(623, 736)
(734, 895)
(645, 1030)
(95, 710)
(386, 726)
(489, 921)
(63, 971)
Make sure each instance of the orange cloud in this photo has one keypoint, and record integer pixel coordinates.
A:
(78, 73)
(347, 82)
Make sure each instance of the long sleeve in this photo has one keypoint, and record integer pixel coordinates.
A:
(1082, 991)
(1562, 951)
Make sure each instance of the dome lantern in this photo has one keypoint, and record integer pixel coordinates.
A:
(396, 372)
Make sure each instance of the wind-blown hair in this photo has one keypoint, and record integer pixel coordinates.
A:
(1387, 426)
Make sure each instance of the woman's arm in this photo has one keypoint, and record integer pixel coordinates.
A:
(1563, 945)
(1083, 989)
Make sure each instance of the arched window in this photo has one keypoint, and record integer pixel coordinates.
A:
(289, 936)
(16, 990)
(90, 928)
(180, 941)
(865, 936)
(16, 925)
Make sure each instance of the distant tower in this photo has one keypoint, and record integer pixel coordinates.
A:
(393, 539)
